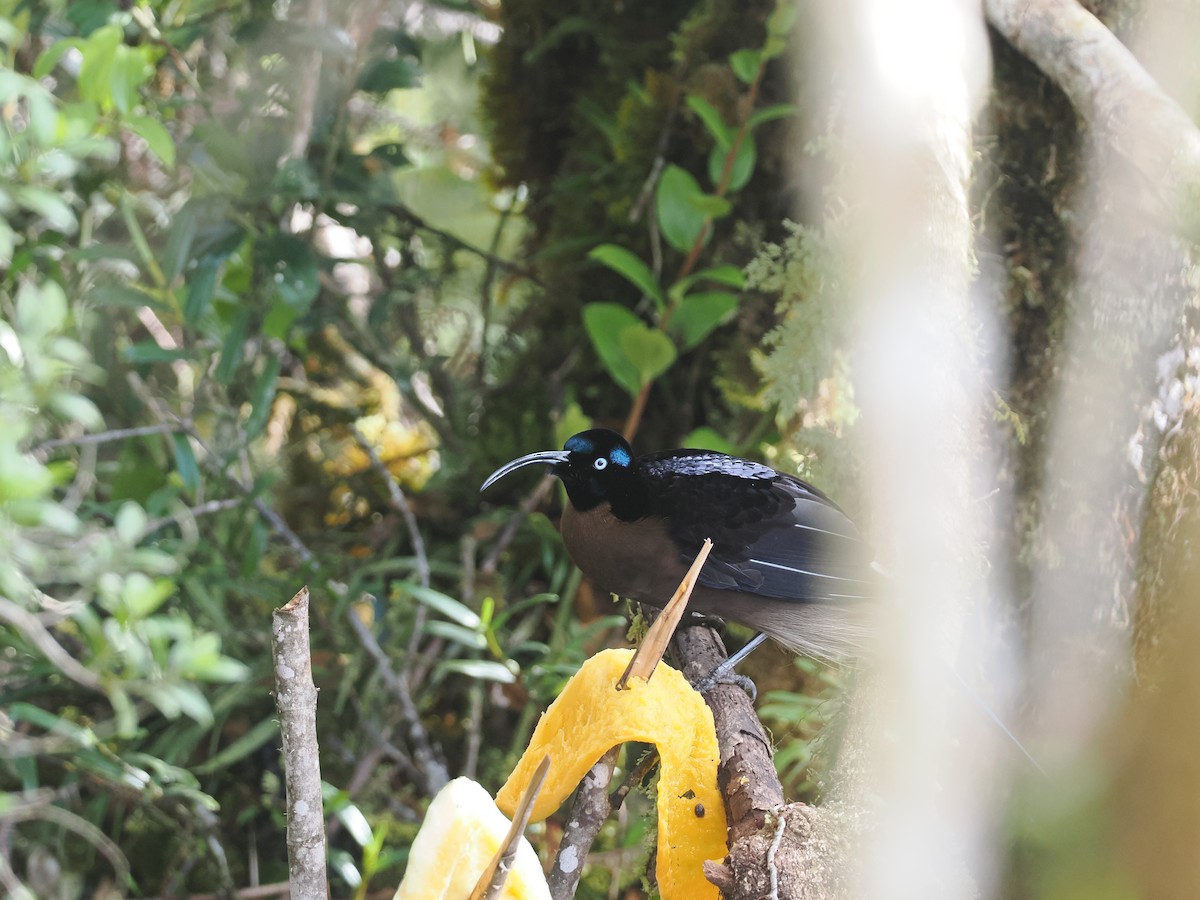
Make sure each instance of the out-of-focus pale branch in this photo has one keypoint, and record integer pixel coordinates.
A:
(1111, 90)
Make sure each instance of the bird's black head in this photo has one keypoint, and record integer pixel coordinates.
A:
(594, 465)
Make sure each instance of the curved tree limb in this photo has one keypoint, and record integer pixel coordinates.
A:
(1117, 97)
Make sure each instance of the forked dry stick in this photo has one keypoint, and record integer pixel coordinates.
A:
(655, 643)
(491, 882)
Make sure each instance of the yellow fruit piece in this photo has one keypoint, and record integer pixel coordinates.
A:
(461, 833)
(590, 716)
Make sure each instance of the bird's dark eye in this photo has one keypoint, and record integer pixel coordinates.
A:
(600, 464)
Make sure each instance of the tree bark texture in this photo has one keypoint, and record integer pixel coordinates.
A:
(296, 699)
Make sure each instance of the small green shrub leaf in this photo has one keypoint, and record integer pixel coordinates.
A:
(479, 669)
(201, 282)
(630, 267)
(234, 345)
(156, 136)
(650, 351)
(445, 604)
(745, 65)
(185, 462)
(262, 397)
(604, 323)
(771, 113)
(677, 204)
(743, 163)
(712, 120)
(700, 314)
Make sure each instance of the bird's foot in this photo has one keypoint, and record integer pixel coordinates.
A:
(700, 620)
(724, 674)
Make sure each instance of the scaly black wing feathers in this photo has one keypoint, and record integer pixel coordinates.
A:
(778, 536)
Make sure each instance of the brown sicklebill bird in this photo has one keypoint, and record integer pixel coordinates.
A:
(786, 560)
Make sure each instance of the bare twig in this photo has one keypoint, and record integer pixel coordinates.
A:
(647, 765)
(535, 499)
(588, 813)
(116, 434)
(296, 700)
(491, 882)
(399, 503)
(32, 629)
(434, 772)
(492, 258)
(64, 818)
(202, 509)
(8, 878)
(310, 82)
(485, 293)
(474, 726)
(660, 162)
(273, 518)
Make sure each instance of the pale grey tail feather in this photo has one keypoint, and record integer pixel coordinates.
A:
(828, 633)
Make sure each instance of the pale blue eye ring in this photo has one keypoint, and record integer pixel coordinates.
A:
(600, 464)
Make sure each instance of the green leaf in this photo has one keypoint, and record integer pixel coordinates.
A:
(156, 136)
(700, 314)
(770, 113)
(40, 311)
(99, 52)
(130, 70)
(782, 18)
(77, 408)
(745, 65)
(122, 295)
(185, 462)
(264, 731)
(630, 267)
(449, 607)
(291, 267)
(8, 242)
(465, 637)
(356, 824)
(178, 249)
(730, 276)
(743, 163)
(712, 120)
(234, 345)
(383, 75)
(47, 204)
(146, 352)
(479, 669)
(141, 595)
(297, 179)
(130, 523)
(201, 282)
(52, 54)
(679, 218)
(604, 323)
(650, 351)
(262, 397)
(10, 34)
(278, 320)
(706, 438)
(712, 206)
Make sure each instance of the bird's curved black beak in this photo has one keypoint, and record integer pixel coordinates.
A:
(542, 457)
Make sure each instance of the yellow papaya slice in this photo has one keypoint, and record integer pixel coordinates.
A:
(590, 716)
(462, 831)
